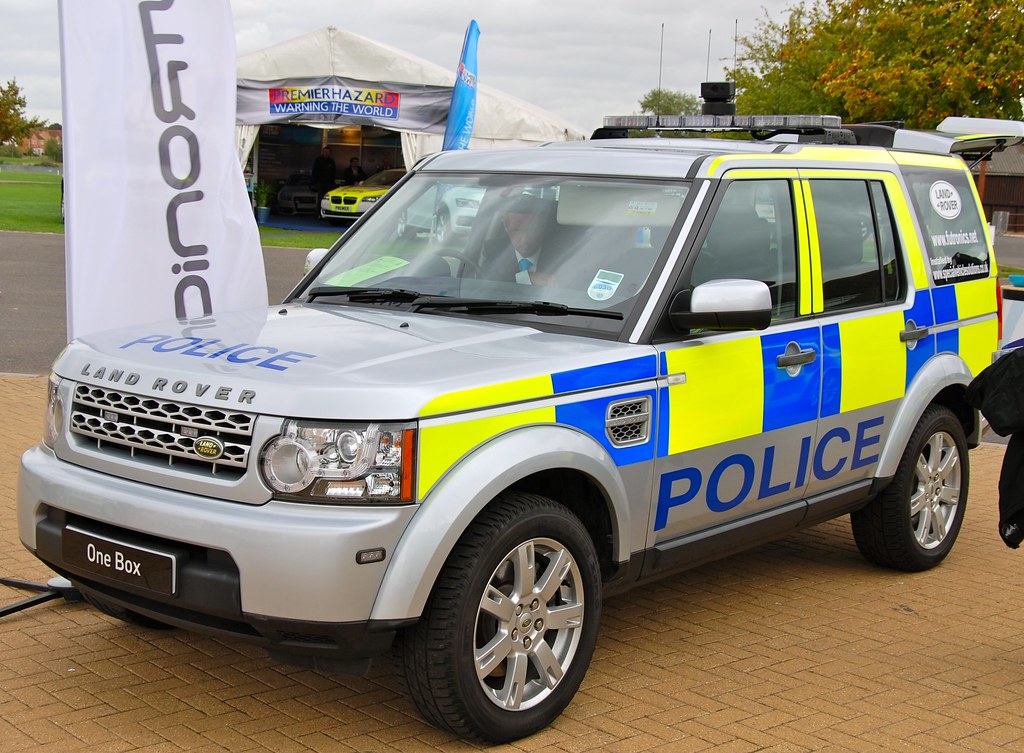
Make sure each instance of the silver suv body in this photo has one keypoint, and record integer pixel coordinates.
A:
(711, 344)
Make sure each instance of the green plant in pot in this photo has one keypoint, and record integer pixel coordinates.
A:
(262, 192)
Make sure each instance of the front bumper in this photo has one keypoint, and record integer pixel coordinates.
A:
(329, 210)
(281, 575)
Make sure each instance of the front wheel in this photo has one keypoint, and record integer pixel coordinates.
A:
(510, 627)
(914, 522)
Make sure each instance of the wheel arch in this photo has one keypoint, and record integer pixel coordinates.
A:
(943, 380)
(557, 462)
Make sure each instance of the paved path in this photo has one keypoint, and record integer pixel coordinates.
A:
(32, 296)
(795, 646)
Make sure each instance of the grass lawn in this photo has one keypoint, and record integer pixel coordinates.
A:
(30, 203)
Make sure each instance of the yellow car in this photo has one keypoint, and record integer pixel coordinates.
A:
(352, 201)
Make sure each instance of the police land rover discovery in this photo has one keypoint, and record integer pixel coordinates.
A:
(641, 355)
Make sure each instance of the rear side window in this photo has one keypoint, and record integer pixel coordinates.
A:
(954, 232)
(857, 244)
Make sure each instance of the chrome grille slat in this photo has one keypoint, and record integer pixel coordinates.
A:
(155, 428)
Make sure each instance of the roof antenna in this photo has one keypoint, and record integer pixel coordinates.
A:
(707, 69)
(661, 58)
(735, 43)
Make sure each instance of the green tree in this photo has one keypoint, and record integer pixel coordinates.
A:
(919, 61)
(54, 150)
(14, 126)
(911, 60)
(666, 102)
(781, 65)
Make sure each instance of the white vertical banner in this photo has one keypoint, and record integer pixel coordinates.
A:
(158, 223)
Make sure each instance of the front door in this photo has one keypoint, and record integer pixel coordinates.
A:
(739, 410)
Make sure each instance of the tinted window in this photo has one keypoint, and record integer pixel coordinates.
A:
(856, 242)
(751, 237)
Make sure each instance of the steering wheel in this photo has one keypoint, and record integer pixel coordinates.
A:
(453, 253)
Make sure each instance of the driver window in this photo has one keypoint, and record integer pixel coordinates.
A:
(751, 237)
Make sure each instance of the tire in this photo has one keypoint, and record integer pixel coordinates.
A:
(913, 524)
(486, 605)
(125, 615)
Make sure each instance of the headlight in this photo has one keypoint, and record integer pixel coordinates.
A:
(370, 199)
(335, 463)
(467, 203)
(54, 412)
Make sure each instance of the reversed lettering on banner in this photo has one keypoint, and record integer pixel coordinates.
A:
(178, 109)
(159, 225)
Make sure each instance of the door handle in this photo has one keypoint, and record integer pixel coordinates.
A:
(799, 358)
(913, 334)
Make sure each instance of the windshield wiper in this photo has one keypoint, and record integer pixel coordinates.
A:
(540, 308)
(469, 305)
(365, 295)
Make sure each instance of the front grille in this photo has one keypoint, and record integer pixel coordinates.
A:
(147, 429)
(628, 422)
(351, 199)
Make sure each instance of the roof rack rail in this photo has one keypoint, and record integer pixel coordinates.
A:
(971, 138)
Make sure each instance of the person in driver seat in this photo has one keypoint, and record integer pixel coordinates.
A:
(524, 221)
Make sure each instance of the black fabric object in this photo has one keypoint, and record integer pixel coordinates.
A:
(1011, 493)
(998, 392)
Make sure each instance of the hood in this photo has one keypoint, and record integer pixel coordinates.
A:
(359, 190)
(337, 362)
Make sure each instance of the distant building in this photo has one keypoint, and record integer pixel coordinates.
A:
(1003, 189)
(35, 143)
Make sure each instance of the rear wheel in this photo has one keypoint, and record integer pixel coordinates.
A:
(509, 630)
(913, 524)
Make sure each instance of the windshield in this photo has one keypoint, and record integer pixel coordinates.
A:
(587, 245)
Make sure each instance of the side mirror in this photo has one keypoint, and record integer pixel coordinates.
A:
(313, 258)
(730, 305)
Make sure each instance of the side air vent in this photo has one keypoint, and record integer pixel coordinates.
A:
(628, 422)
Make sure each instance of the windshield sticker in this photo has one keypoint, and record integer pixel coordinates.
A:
(365, 271)
(647, 208)
(945, 200)
(604, 285)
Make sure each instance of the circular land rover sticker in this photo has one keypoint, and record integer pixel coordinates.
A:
(945, 200)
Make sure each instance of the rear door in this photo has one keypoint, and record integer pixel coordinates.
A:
(876, 332)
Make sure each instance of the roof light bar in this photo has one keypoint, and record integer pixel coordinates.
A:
(724, 122)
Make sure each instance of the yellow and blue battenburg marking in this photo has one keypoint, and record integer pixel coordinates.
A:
(591, 415)
(442, 445)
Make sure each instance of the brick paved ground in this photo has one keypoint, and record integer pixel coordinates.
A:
(795, 646)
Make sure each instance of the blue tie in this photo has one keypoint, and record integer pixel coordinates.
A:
(524, 265)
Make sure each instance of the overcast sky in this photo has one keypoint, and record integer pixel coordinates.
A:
(580, 59)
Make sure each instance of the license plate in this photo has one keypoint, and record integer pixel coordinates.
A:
(116, 560)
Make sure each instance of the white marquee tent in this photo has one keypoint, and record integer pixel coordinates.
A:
(501, 120)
